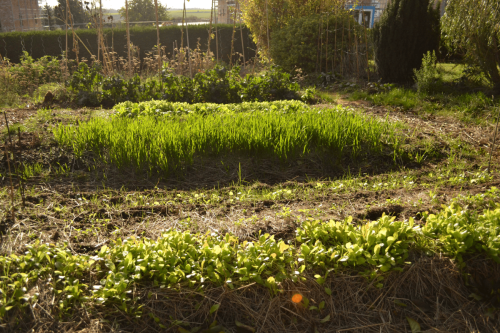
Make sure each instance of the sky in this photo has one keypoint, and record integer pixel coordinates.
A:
(117, 4)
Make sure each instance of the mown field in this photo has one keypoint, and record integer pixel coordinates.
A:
(200, 13)
(369, 209)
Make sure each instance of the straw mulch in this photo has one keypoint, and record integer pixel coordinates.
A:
(432, 291)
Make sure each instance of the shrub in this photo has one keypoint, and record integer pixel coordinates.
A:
(472, 27)
(30, 73)
(427, 76)
(406, 31)
(296, 45)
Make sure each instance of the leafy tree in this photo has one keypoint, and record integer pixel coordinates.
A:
(280, 13)
(404, 33)
(79, 13)
(296, 45)
(144, 10)
(49, 21)
(473, 27)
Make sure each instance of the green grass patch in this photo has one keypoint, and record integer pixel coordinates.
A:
(167, 136)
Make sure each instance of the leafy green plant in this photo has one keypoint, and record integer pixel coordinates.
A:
(85, 83)
(427, 77)
(181, 259)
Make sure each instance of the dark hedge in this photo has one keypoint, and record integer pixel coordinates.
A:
(42, 43)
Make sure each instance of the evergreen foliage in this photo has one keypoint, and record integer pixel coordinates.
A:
(79, 13)
(405, 32)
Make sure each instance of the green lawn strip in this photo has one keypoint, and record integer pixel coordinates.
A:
(281, 130)
(202, 260)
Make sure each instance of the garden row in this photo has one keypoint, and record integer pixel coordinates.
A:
(163, 137)
(181, 259)
(217, 85)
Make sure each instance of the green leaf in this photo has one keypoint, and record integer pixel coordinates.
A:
(214, 308)
(328, 291)
(246, 327)
(324, 320)
(415, 327)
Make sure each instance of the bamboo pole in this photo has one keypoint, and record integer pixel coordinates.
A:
(321, 43)
(128, 39)
(217, 43)
(366, 50)
(342, 51)
(182, 51)
(75, 41)
(267, 22)
(66, 54)
(242, 43)
(212, 8)
(232, 39)
(187, 42)
(326, 47)
(158, 41)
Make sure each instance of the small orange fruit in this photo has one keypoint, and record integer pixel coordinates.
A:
(297, 298)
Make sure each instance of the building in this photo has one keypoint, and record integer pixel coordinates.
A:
(369, 11)
(225, 11)
(20, 15)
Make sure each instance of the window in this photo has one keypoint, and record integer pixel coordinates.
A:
(362, 17)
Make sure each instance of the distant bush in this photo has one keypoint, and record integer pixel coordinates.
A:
(296, 45)
(404, 33)
(472, 27)
(29, 73)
